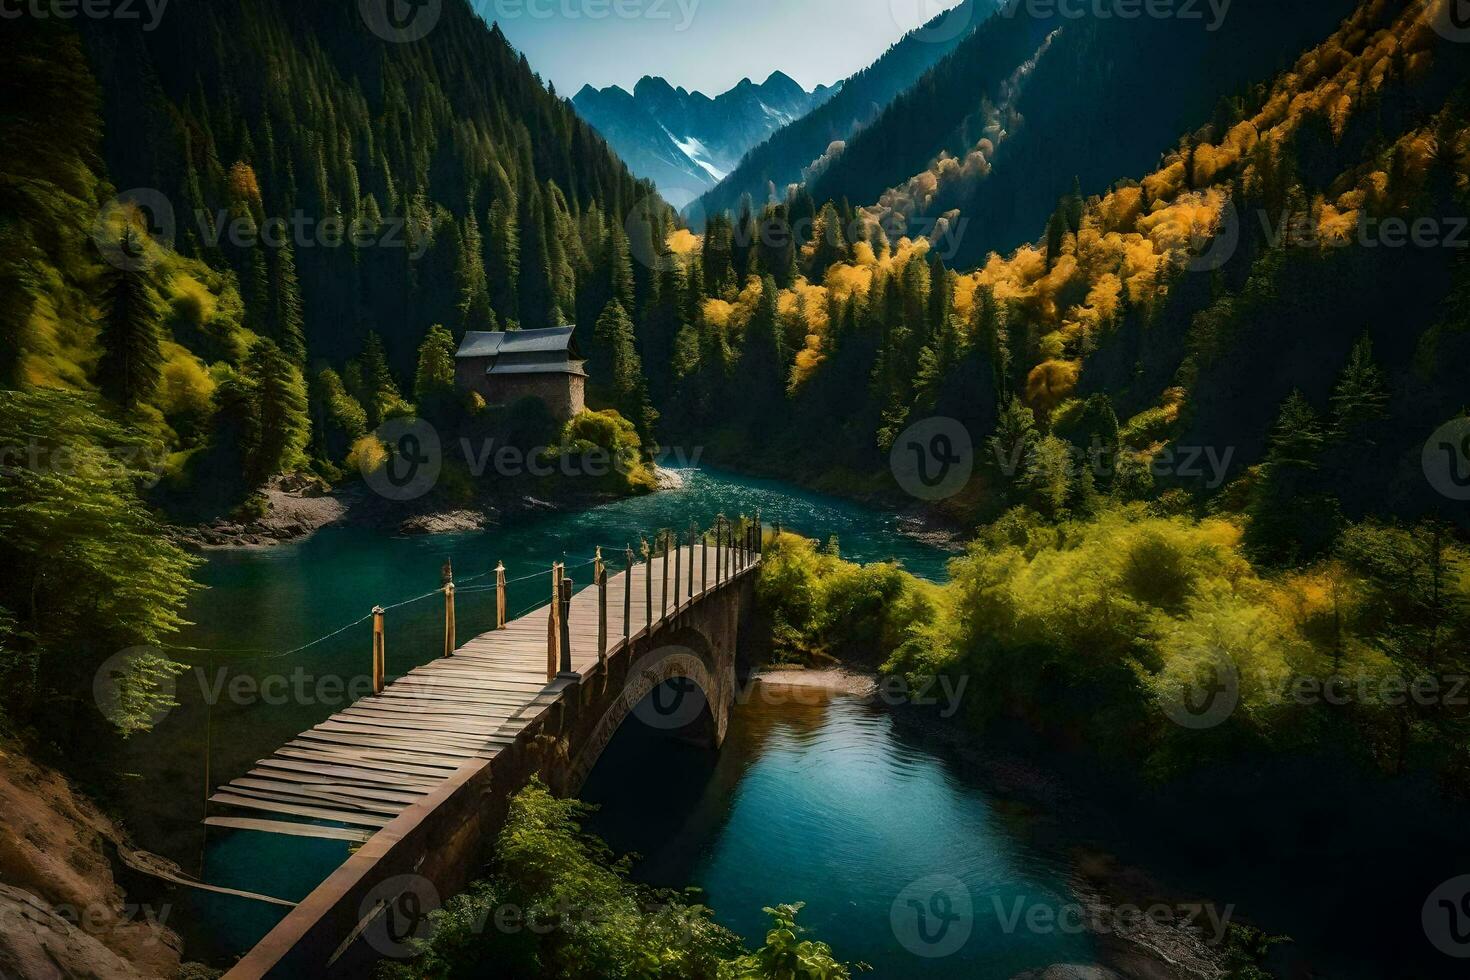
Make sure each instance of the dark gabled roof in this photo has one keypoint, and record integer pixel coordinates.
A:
(546, 340)
(551, 350)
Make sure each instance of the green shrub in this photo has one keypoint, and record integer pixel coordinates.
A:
(590, 921)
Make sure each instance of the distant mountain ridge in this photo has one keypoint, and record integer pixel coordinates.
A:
(686, 142)
(785, 157)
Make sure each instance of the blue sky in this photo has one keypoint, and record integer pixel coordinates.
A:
(707, 45)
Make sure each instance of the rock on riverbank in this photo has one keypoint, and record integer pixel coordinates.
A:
(294, 507)
(62, 911)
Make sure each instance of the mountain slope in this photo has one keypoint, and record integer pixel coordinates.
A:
(303, 200)
(781, 160)
(1179, 311)
(1104, 98)
(300, 107)
(686, 142)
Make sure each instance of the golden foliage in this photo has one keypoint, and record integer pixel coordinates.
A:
(186, 386)
(1050, 382)
(367, 455)
(244, 185)
(684, 243)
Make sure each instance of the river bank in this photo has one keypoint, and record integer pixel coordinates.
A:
(1301, 854)
(291, 509)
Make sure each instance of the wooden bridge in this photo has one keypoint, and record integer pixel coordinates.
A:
(420, 772)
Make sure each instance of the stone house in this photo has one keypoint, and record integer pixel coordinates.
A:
(504, 367)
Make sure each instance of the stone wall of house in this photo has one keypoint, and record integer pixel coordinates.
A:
(564, 394)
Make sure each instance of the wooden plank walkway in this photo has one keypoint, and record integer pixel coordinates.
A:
(355, 772)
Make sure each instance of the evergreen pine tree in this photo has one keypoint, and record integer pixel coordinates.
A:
(762, 368)
(1291, 519)
(380, 395)
(1361, 396)
(504, 274)
(620, 376)
(290, 319)
(280, 406)
(132, 358)
(473, 303)
(435, 374)
(256, 291)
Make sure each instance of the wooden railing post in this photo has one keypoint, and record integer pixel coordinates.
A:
(628, 595)
(449, 631)
(678, 569)
(704, 562)
(692, 531)
(380, 653)
(663, 599)
(601, 609)
(647, 591)
(500, 595)
(719, 544)
(565, 602)
(553, 625)
(760, 533)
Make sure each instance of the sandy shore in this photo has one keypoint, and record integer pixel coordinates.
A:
(834, 679)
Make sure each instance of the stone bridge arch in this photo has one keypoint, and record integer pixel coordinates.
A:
(657, 688)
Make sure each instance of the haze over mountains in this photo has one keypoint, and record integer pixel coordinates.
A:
(686, 142)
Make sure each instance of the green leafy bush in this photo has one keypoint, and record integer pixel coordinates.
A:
(590, 921)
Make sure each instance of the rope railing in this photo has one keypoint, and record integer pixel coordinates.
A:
(731, 555)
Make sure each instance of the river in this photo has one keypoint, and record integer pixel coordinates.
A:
(903, 846)
(907, 859)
